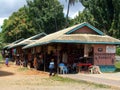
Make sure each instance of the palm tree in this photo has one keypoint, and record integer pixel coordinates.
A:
(70, 2)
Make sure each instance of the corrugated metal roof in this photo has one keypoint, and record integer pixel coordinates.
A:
(13, 43)
(29, 40)
(50, 37)
(88, 37)
(64, 36)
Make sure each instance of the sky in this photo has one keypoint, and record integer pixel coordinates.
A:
(7, 7)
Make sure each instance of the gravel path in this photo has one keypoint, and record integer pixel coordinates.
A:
(111, 79)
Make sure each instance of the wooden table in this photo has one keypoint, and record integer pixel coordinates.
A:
(79, 65)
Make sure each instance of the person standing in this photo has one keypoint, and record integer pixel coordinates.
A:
(51, 67)
(35, 63)
(6, 61)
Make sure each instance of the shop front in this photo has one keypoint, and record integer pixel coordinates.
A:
(104, 57)
(81, 45)
(77, 57)
(82, 55)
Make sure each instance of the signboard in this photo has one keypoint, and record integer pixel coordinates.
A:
(100, 49)
(110, 49)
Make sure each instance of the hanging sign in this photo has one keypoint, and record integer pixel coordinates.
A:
(110, 49)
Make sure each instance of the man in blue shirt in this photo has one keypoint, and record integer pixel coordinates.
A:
(51, 67)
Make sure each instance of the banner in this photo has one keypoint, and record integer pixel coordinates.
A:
(110, 49)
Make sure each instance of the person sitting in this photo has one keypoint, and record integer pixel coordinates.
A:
(74, 66)
(63, 68)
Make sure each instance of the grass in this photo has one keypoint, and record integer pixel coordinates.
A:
(1, 60)
(22, 69)
(117, 65)
(61, 79)
(1, 57)
(68, 80)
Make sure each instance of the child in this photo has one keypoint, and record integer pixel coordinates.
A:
(6, 61)
(51, 67)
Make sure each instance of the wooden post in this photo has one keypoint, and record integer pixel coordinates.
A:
(44, 54)
(58, 58)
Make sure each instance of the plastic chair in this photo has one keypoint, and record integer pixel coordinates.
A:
(63, 70)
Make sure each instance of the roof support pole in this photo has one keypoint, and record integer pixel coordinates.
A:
(58, 57)
(44, 54)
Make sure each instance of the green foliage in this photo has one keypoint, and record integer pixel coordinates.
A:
(105, 15)
(1, 42)
(47, 15)
(68, 80)
(22, 69)
(61, 79)
(84, 16)
(17, 26)
(117, 65)
(36, 17)
(70, 2)
(118, 51)
(1, 57)
(102, 11)
(115, 26)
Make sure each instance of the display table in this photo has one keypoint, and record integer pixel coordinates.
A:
(79, 65)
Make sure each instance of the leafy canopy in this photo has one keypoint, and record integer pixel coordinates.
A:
(36, 17)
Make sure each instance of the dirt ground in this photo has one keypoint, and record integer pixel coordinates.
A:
(19, 78)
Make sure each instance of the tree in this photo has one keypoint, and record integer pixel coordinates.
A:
(115, 26)
(47, 15)
(70, 2)
(106, 14)
(36, 17)
(83, 16)
(17, 26)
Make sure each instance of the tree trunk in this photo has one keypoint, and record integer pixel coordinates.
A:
(67, 13)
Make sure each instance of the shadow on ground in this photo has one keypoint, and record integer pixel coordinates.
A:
(4, 73)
